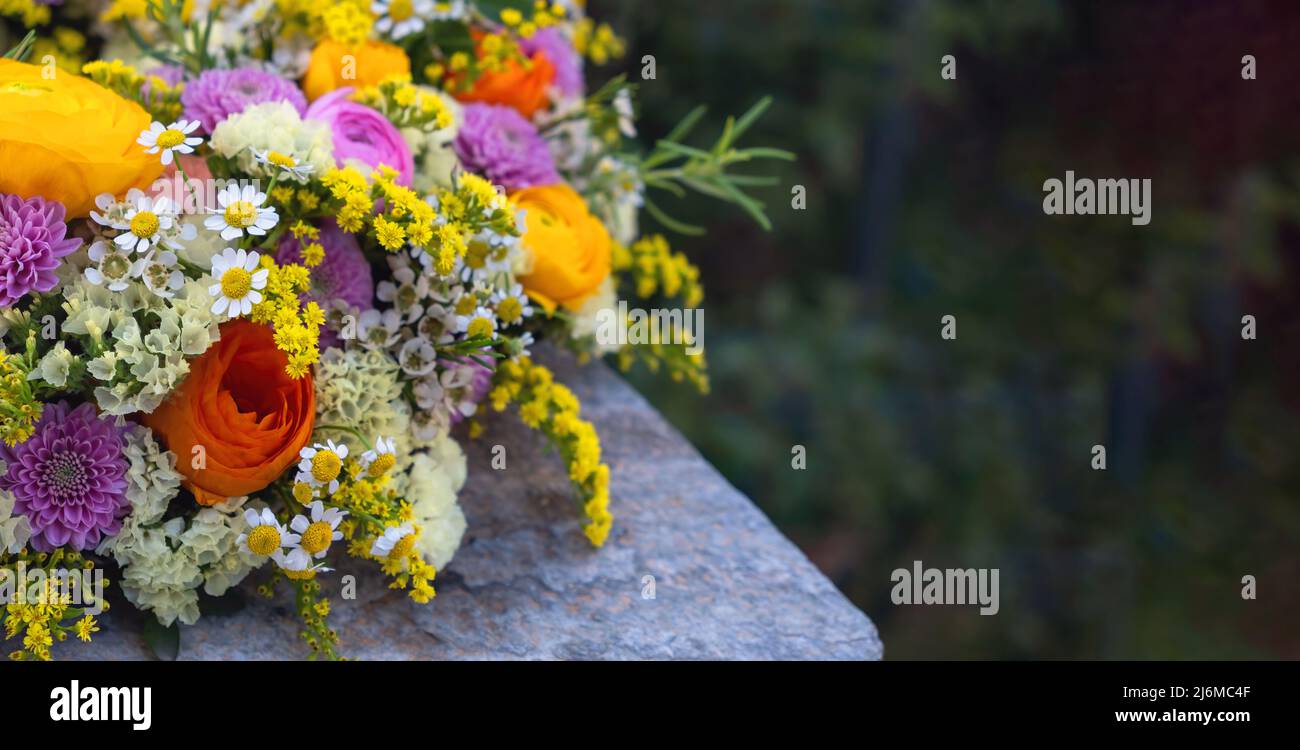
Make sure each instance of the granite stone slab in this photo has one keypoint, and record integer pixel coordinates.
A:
(526, 585)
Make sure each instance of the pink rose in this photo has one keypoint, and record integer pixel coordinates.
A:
(362, 134)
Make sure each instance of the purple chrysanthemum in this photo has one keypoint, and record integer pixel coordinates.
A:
(566, 60)
(69, 478)
(498, 143)
(218, 94)
(33, 237)
(344, 274)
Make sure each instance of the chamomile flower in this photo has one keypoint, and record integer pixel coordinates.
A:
(401, 18)
(146, 223)
(321, 465)
(283, 161)
(319, 530)
(170, 139)
(265, 535)
(296, 564)
(512, 304)
(241, 210)
(395, 543)
(380, 459)
(113, 268)
(238, 280)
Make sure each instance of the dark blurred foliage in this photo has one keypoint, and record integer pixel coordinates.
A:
(924, 200)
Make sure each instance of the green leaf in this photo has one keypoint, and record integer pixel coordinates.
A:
(750, 117)
(165, 642)
(671, 223)
(687, 124)
(21, 50)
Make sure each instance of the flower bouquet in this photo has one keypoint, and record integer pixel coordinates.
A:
(263, 263)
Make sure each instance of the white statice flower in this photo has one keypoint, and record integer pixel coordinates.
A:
(54, 366)
(112, 267)
(164, 563)
(274, 126)
(238, 281)
(319, 529)
(395, 543)
(15, 530)
(401, 18)
(159, 273)
(241, 210)
(586, 320)
(322, 464)
(265, 535)
(170, 139)
(137, 366)
(435, 478)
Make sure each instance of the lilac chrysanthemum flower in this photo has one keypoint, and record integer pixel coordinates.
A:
(33, 237)
(498, 143)
(218, 94)
(344, 274)
(69, 478)
(566, 60)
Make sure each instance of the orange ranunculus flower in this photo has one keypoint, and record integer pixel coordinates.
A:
(524, 87)
(569, 248)
(370, 62)
(68, 139)
(250, 418)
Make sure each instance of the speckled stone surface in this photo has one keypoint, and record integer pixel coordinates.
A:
(526, 585)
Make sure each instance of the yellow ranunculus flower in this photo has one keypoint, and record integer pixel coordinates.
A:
(569, 248)
(334, 65)
(68, 139)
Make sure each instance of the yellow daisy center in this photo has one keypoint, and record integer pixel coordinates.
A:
(236, 282)
(241, 214)
(403, 548)
(264, 540)
(317, 537)
(510, 310)
(479, 328)
(400, 10)
(299, 575)
(145, 224)
(281, 160)
(465, 305)
(302, 492)
(382, 463)
(171, 138)
(325, 466)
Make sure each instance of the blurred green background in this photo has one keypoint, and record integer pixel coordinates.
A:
(923, 200)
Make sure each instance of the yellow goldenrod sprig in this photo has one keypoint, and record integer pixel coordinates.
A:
(297, 323)
(406, 105)
(160, 99)
(20, 409)
(47, 616)
(553, 409)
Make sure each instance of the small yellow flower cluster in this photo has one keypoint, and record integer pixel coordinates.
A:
(161, 100)
(406, 105)
(552, 409)
(598, 43)
(655, 268)
(313, 253)
(32, 13)
(47, 616)
(495, 53)
(544, 14)
(20, 409)
(314, 610)
(297, 325)
(347, 21)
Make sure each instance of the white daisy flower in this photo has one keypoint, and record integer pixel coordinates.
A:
(265, 535)
(238, 280)
(380, 459)
(401, 18)
(160, 275)
(113, 268)
(297, 565)
(283, 161)
(170, 139)
(146, 222)
(321, 465)
(512, 304)
(395, 543)
(319, 530)
(241, 210)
